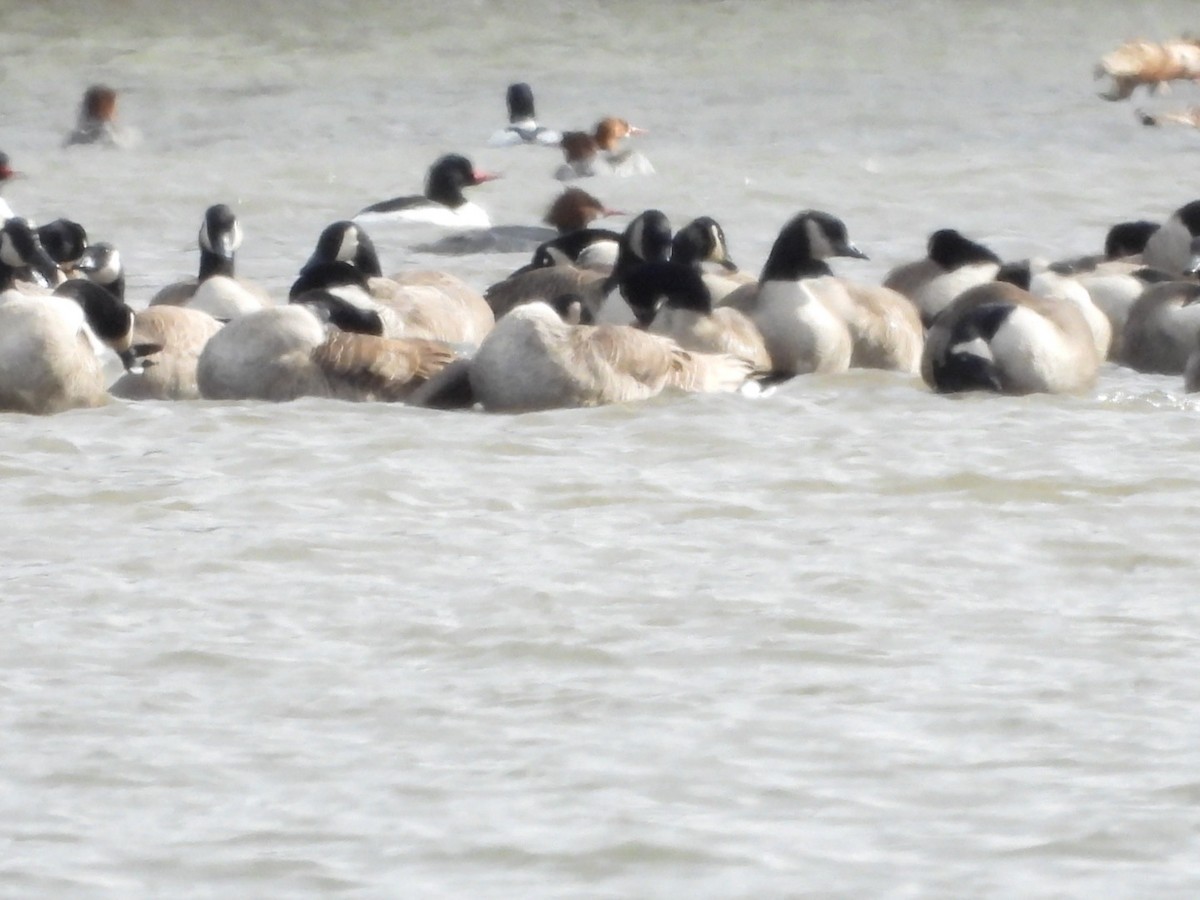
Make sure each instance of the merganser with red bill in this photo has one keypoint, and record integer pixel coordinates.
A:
(442, 203)
(522, 121)
(601, 152)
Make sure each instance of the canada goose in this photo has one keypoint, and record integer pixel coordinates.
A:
(646, 238)
(1143, 62)
(534, 360)
(1052, 285)
(418, 304)
(1123, 247)
(700, 243)
(21, 251)
(178, 332)
(1000, 338)
(47, 361)
(64, 241)
(1175, 246)
(802, 333)
(522, 125)
(317, 346)
(673, 300)
(1163, 328)
(952, 264)
(216, 291)
(443, 202)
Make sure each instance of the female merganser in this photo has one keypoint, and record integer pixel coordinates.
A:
(217, 290)
(97, 121)
(600, 152)
(574, 209)
(522, 121)
(442, 203)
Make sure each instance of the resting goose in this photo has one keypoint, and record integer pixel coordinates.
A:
(952, 264)
(320, 345)
(47, 360)
(179, 332)
(419, 304)
(998, 337)
(534, 360)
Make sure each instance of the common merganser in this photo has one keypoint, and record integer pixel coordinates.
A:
(522, 121)
(442, 203)
(97, 120)
(600, 152)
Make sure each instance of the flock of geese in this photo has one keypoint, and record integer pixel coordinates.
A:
(595, 317)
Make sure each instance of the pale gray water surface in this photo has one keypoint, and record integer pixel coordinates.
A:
(852, 639)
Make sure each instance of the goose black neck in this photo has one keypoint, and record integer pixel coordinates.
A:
(212, 264)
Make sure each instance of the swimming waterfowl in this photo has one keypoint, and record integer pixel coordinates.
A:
(533, 360)
(952, 264)
(64, 240)
(217, 290)
(997, 337)
(1174, 246)
(97, 120)
(1163, 328)
(592, 273)
(672, 299)
(522, 127)
(814, 322)
(21, 251)
(47, 361)
(571, 211)
(443, 202)
(701, 244)
(601, 152)
(320, 345)
(1052, 285)
(178, 332)
(418, 304)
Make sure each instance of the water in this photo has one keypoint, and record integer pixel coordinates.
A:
(852, 639)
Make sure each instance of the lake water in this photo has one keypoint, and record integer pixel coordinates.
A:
(852, 639)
